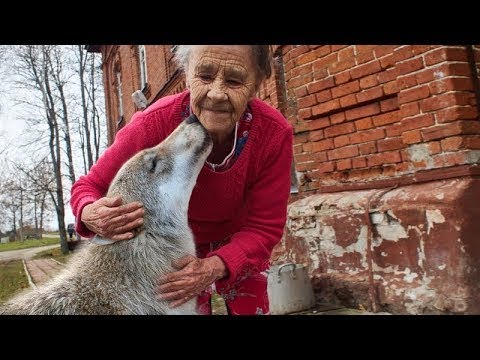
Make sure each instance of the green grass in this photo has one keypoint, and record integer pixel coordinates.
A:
(16, 245)
(12, 278)
(55, 253)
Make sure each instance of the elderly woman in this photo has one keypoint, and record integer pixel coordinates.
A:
(238, 208)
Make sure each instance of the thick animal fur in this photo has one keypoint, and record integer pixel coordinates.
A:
(108, 277)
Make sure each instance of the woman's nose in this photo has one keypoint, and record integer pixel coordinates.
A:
(217, 91)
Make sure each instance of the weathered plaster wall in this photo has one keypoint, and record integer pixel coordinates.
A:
(417, 252)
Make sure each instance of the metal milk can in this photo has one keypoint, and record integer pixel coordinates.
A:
(289, 289)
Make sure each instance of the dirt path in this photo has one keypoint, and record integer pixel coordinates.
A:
(24, 254)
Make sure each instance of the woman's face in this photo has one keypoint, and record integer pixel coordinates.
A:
(221, 80)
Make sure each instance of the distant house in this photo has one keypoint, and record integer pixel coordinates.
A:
(387, 144)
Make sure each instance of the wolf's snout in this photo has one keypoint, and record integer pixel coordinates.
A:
(191, 119)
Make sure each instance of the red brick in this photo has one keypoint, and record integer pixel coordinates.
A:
(449, 84)
(452, 143)
(387, 62)
(366, 136)
(409, 109)
(340, 66)
(368, 148)
(409, 66)
(305, 113)
(387, 75)
(364, 56)
(417, 122)
(426, 75)
(348, 100)
(317, 123)
(407, 81)
(306, 101)
(321, 85)
(301, 70)
(390, 144)
(299, 81)
(324, 96)
(359, 162)
(456, 113)
(413, 94)
(344, 164)
(370, 94)
(322, 145)
(388, 157)
(316, 135)
(324, 62)
(363, 124)
(434, 147)
(383, 50)
(326, 107)
(346, 53)
(448, 160)
(403, 52)
(297, 149)
(442, 131)
(385, 118)
(445, 54)
(343, 153)
(342, 78)
(420, 49)
(471, 142)
(345, 89)
(340, 141)
(368, 81)
(320, 74)
(323, 50)
(339, 47)
(362, 111)
(337, 118)
(390, 88)
(412, 137)
(309, 157)
(389, 104)
(340, 129)
(300, 138)
(365, 69)
(298, 50)
(443, 101)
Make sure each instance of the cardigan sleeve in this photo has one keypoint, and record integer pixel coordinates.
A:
(140, 133)
(267, 200)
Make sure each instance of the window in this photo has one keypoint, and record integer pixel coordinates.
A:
(142, 57)
(118, 76)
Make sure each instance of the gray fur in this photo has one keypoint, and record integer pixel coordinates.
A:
(119, 278)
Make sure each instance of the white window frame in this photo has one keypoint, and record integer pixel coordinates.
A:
(118, 76)
(142, 57)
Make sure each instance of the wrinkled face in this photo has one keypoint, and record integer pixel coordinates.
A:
(221, 79)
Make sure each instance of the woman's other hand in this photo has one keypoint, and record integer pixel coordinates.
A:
(110, 219)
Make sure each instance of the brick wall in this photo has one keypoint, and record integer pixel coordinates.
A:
(367, 113)
(160, 70)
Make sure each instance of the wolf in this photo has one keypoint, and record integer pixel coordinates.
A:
(107, 277)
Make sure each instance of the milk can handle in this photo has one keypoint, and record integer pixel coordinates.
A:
(285, 265)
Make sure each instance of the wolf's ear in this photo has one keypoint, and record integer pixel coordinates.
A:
(151, 160)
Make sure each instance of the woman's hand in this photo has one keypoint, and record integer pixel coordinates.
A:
(194, 276)
(110, 219)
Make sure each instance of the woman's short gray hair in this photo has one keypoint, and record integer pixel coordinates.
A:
(262, 56)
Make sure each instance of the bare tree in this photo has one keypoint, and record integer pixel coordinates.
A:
(90, 126)
(55, 61)
(82, 62)
(41, 185)
(34, 68)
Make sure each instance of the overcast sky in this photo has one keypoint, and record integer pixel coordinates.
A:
(11, 127)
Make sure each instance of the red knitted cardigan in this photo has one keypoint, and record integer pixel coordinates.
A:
(243, 207)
